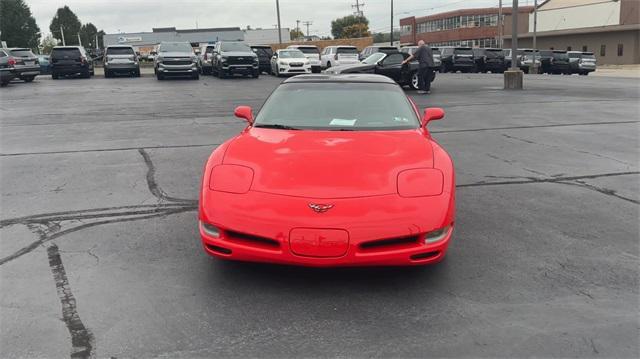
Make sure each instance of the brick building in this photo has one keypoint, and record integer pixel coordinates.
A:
(465, 27)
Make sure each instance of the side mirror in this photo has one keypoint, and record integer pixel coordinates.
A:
(432, 114)
(244, 112)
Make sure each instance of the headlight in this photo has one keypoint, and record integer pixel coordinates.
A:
(282, 63)
(209, 229)
(223, 59)
(194, 59)
(437, 235)
(255, 59)
(159, 58)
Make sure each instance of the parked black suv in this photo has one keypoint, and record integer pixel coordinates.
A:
(70, 60)
(555, 62)
(489, 59)
(457, 59)
(234, 57)
(265, 53)
(26, 65)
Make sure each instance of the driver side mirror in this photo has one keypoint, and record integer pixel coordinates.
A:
(244, 112)
(432, 114)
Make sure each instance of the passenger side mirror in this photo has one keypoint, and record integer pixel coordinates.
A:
(244, 112)
(432, 114)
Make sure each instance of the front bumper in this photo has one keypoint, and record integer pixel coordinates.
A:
(267, 234)
(178, 69)
(586, 68)
(240, 68)
(285, 70)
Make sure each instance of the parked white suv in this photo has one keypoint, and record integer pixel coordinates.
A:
(289, 61)
(312, 53)
(339, 55)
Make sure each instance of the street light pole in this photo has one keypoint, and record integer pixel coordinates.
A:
(500, 25)
(535, 29)
(514, 35)
(62, 32)
(279, 29)
(391, 37)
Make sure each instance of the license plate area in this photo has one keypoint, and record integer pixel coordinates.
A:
(319, 242)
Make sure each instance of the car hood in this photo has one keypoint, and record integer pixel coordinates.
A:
(350, 68)
(329, 164)
(238, 53)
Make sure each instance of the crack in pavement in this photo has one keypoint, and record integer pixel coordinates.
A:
(82, 340)
(104, 150)
(535, 126)
(153, 185)
(568, 180)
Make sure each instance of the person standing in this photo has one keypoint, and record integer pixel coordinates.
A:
(424, 54)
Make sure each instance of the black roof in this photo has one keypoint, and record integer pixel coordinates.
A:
(343, 78)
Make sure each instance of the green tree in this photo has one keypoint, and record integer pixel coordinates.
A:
(338, 26)
(356, 30)
(47, 44)
(88, 34)
(18, 28)
(295, 34)
(68, 21)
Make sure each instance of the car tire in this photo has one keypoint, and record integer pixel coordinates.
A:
(222, 74)
(86, 75)
(54, 75)
(137, 73)
(28, 78)
(255, 74)
(413, 83)
(328, 64)
(107, 74)
(4, 83)
(159, 76)
(196, 76)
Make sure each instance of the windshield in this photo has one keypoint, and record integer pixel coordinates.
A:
(22, 53)
(588, 56)
(492, 54)
(347, 50)
(560, 56)
(463, 51)
(309, 50)
(235, 46)
(338, 106)
(119, 51)
(291, 54)
(175, 47)
(374, 58)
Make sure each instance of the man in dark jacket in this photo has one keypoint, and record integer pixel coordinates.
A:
(425, 68)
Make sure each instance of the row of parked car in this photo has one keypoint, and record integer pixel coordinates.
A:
(228, 58)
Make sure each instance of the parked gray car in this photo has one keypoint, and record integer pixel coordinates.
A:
(7, 69)
(581, 62)
(26, 63)
(176, 59)
(121, 59)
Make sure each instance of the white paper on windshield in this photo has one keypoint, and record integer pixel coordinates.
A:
(342, 122)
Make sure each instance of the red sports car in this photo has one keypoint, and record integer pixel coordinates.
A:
(335, 170)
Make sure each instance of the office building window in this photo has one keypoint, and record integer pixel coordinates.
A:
(620, 50)
(584, 48)
(603, 50)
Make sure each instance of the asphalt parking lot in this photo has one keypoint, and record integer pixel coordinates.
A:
(100, 253)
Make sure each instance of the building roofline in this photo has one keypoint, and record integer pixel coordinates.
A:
(474, 11)
(582, 30)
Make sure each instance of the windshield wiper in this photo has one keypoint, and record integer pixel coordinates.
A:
(276, 125)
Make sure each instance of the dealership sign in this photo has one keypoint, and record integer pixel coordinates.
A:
(122, 39)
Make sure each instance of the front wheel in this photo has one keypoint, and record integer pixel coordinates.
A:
(54, 76)
(159, 76)
(28, 78)
(222, 74)
(255, 74)
(196, 76)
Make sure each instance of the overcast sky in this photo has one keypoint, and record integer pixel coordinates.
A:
(138, 15)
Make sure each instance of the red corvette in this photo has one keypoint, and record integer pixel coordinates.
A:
(333, 171)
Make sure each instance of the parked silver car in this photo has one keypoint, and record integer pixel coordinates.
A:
(581, 62)
(121, 59)
(176, 59)
(26, 63)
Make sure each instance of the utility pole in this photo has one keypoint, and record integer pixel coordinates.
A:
(500, 26)
(357, 5)
(279, 29)
(391, 35)
(513, 78)
(535, 29)
(297, 28)
(307, 23)
(96, 41)
(62, 32)
(79, 41)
